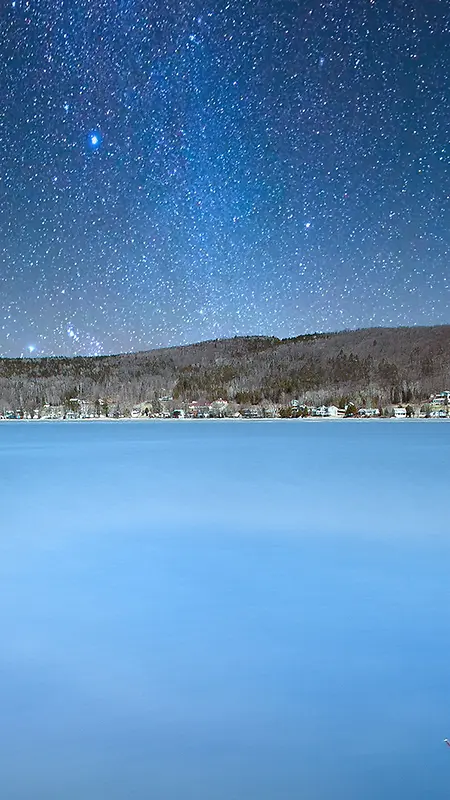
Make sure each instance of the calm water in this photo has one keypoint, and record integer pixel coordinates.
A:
(225, 610)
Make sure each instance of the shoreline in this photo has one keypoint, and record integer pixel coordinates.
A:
(230, 419)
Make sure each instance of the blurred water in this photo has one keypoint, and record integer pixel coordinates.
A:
(224, 610)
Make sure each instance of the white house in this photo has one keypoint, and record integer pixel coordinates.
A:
(399, 413)
(440, 400)
(325, 411)
(218, 408)
(369, 412)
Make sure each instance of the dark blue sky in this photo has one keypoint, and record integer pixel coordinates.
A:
(175, 171)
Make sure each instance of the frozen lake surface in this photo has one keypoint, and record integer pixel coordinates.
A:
(225, 610)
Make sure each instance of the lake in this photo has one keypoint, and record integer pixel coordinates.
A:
(224, 610)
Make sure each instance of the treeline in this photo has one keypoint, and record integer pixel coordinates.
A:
(377, 367)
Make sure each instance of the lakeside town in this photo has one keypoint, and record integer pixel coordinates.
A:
(437, 407)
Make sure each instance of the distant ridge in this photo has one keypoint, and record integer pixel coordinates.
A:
(376, 365)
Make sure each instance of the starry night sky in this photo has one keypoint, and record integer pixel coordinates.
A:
(175, 171)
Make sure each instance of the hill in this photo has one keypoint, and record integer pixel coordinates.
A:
(375, 365)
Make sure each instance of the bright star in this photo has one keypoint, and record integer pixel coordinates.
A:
(94, 140)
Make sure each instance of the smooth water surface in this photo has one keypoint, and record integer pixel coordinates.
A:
(224, 610)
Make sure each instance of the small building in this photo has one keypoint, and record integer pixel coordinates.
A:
(325, 411)
(218, 408)
(52, 412)
(253, 412)
(198, 410)
(193, 408)
(369, 412)
(441, 400)
(400, 413)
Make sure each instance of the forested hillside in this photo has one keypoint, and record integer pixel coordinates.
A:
(376, 365)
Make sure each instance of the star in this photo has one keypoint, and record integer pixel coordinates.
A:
(94, 140)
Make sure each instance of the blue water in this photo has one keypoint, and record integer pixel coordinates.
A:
(224, 610)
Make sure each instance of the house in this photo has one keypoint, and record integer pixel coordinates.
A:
(254, 412)
(369, 412)
(218, 408)
(198, 410)
(441, 400)
(399, 413)
(52, 412)
(78, 408)
(325, 411)
(84, 409)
